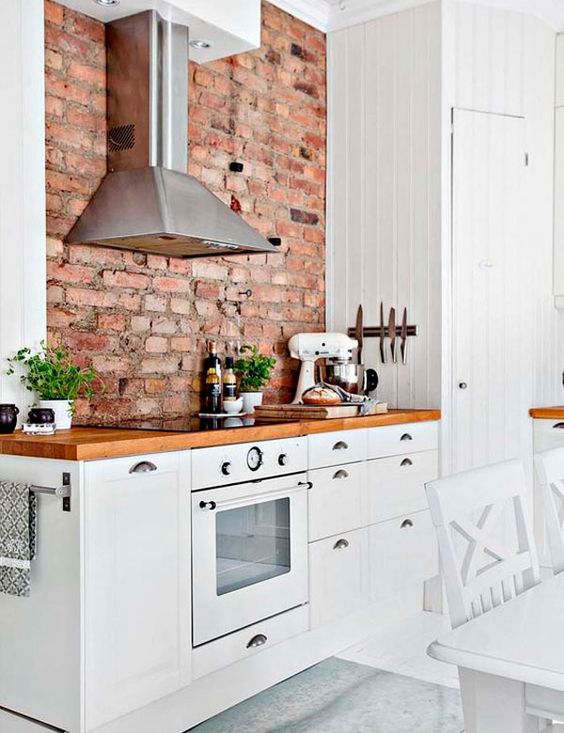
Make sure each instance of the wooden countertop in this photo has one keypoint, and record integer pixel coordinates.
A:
(549, 413)
(85, 444)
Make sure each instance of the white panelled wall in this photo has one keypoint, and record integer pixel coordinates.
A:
(393, 84)
(384, 190)
(503, 62)
(22, 185)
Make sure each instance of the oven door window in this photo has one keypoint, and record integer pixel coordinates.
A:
(252, 544)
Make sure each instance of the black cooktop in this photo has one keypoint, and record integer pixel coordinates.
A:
(180, 424)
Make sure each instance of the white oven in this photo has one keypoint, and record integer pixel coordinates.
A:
(249, 543)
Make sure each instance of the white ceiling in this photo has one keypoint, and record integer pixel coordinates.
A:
(329, 15)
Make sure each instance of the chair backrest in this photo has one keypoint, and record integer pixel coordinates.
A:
(550, 472)
(487, 548)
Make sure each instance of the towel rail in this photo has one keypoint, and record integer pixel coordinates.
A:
(63, 492)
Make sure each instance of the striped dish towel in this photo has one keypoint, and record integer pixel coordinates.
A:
(18, 523)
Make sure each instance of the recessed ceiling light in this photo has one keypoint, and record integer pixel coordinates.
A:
(107, 3)
(200, 43)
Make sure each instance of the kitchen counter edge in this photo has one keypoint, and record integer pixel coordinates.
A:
(88, 444)
(547, 413)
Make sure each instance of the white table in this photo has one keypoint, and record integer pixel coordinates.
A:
(506, 656)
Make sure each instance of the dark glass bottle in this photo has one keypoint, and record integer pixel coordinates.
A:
(213, 392)
(212, 360)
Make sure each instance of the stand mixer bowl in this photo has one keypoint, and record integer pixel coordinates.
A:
(353, 378)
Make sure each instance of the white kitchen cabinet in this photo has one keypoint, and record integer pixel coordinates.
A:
(403, 552)
(137, 626)
(396, 485)
(394, 440)
(335, 448)
(249, 641)
(547, 434)
(337, 500)
(104, 642)
(106, 628)
(339, 576)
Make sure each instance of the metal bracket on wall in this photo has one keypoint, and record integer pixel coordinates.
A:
(63, 492)
(379, 332)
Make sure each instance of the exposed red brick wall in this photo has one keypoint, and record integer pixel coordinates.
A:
(143, 319)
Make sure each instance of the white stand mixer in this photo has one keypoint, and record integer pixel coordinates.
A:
(309, 347)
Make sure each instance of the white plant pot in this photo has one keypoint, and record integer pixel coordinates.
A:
(62, 410)
(251, 400)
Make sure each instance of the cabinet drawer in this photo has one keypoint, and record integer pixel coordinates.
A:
(337, 501)
(11, 723)
(396, 485)
(393, 440)
(338, 576)
(548, 434)
(249, 641)
(403, 551)
(137, 468)
(332, 449)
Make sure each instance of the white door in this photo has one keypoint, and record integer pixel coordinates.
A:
(136, 519)
(492, 324)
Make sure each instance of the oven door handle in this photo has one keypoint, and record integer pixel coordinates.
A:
(254, 498)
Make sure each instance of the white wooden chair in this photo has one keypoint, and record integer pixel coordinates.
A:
(550, 471)
(488, 557)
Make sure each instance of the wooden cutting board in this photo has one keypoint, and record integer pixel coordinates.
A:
(304, 412)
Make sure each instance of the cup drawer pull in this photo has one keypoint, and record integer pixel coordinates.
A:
(340, 445)
(406, 436)
(406, 462)
(406, 523)
(558, 426)
(341, 474)
(341, 544)
(143, 467)
(256, 641)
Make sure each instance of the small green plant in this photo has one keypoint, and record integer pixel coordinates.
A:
(52, 374)
(255, 370)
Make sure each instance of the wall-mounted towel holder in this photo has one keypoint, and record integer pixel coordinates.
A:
(63, 492)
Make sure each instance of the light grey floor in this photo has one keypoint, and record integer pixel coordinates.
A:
(402, 648)
(339, 696)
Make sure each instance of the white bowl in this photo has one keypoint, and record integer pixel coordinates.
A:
(233, 407)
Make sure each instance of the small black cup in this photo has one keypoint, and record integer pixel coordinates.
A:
(8, 418)
(41, 416)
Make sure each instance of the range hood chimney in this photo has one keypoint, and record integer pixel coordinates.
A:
(148, 202)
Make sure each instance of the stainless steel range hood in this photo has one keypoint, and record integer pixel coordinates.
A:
(147, 202)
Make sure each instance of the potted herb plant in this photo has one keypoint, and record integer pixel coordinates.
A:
(57, 380)
(254, 370)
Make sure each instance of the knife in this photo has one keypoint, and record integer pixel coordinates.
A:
(392, 334)
(359, 332)
(382, 335)
(403, 345)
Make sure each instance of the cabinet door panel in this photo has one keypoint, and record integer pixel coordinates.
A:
(403, 552)
(396, 485)
(136, 582)
(338, 572)
(337, 501)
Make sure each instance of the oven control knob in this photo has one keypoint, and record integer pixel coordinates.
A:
(255, 458)
(226, 468)
(283, 459)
